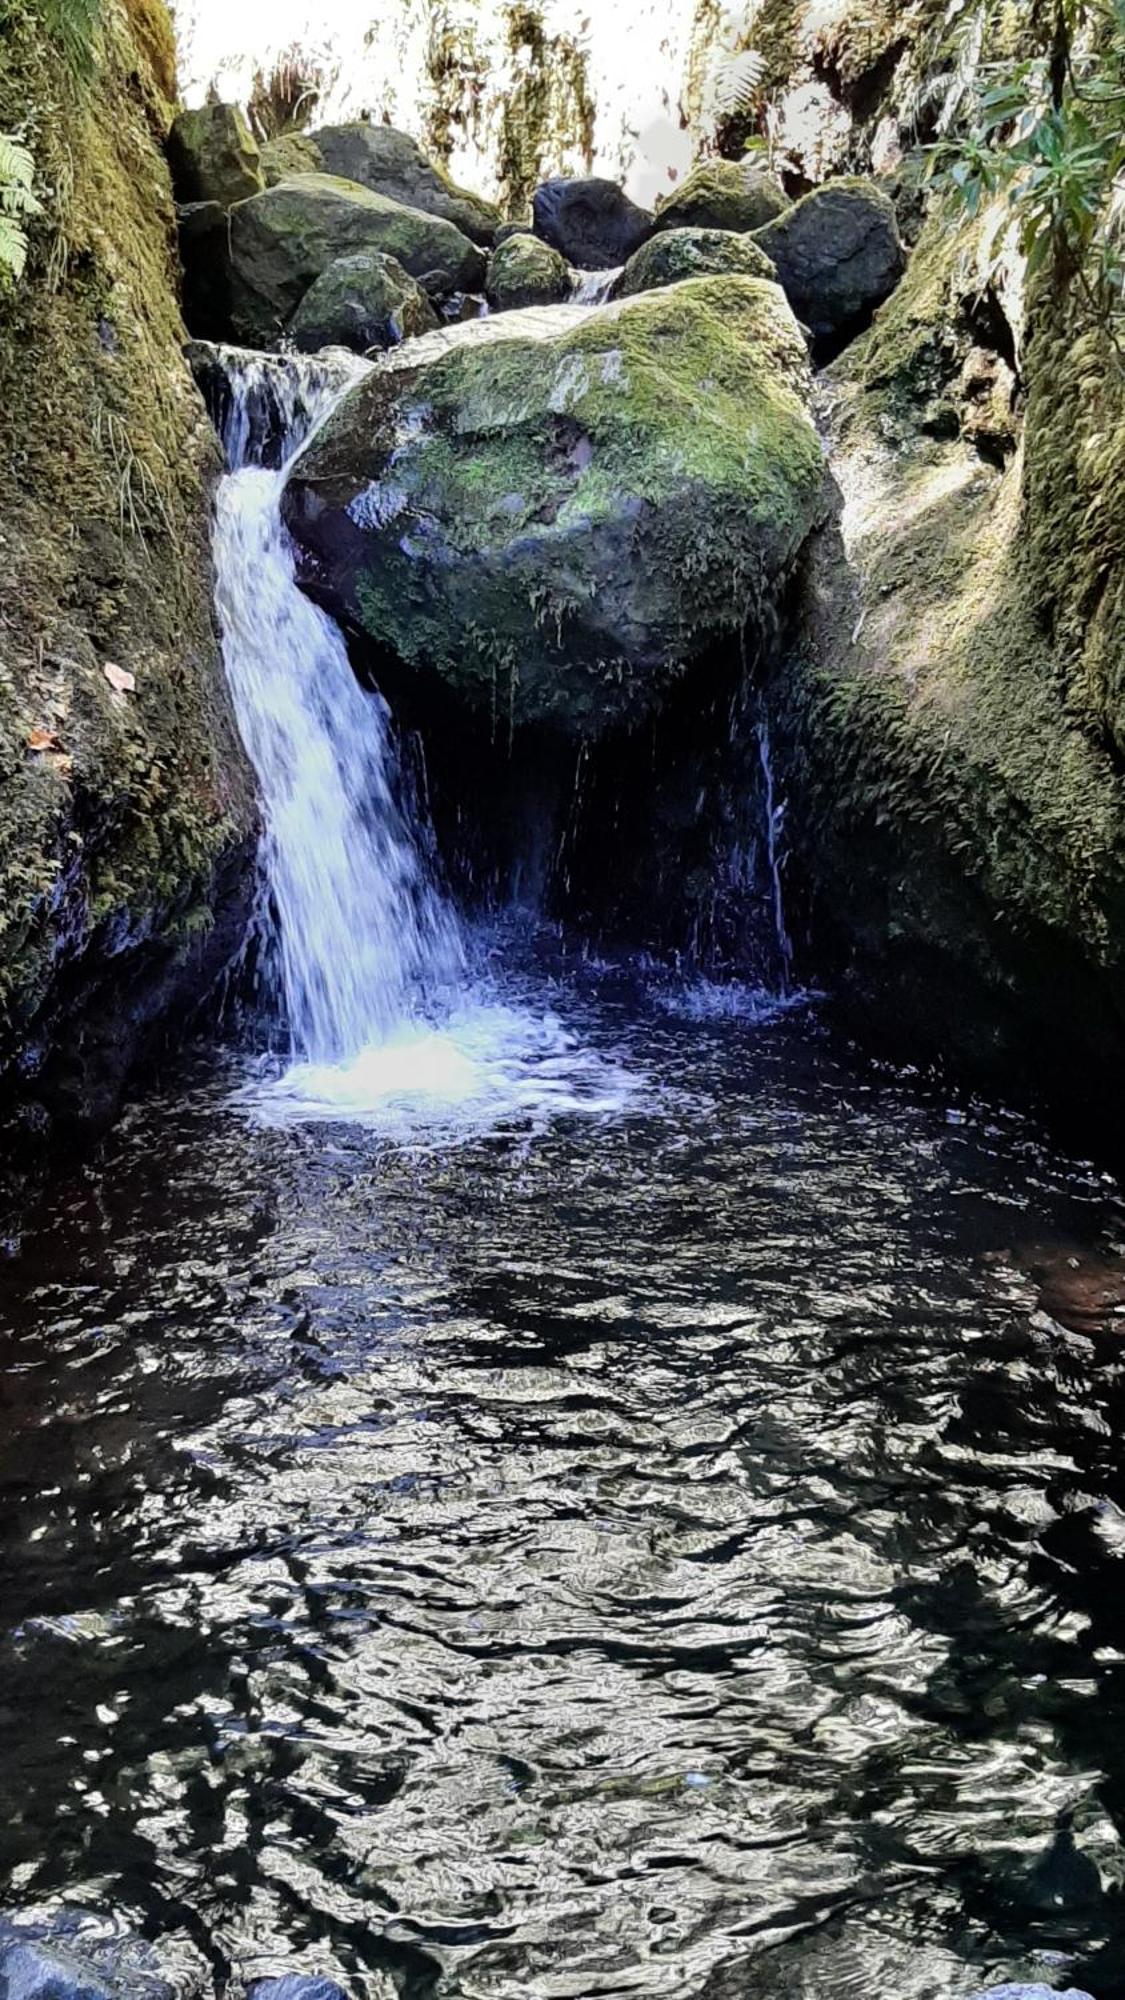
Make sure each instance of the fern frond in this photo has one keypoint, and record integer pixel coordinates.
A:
(17, 172)
(13, 249)
(74, 25)
(735, 82)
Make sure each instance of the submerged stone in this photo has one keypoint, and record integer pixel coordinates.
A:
(297, 1986)
(838, 255)
(555, 510)
(677, 254)
(40, 1972)
(391, 163)
(723, 194)
(284, 239)
(526, 272)
(362, 302)
(592, 223)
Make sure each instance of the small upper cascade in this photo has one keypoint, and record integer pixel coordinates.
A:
(365, 943)
(593, 288)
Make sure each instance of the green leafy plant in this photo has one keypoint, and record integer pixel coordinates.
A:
(18, 205)
(74, 26)
(1045, 130)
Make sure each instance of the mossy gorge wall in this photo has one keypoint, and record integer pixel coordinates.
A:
(125, 808)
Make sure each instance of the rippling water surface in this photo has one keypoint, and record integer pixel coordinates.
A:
(674, 1549)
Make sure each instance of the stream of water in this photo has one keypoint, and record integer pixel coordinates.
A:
(560, 1482)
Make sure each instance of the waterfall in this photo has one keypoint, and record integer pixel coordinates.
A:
(364, 940)
(388, 1022)
(592, 288)
(774, 816)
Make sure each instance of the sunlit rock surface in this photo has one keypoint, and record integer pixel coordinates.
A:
(560, 508)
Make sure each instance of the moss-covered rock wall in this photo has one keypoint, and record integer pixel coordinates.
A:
(124, 804)
(951, 705)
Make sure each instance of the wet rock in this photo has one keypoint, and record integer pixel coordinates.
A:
(297, 1986)
(283, 240)
(214, 156)
(526, 272)
(723, 194)
(1031, 1993)
(559, 508)
(509, 229)
(988, 397)
(677, 254)
(838, 255)
(290, 153)
(205, 258)
(35, 1972)
(362, 302)
(78, 1955)
(393, 164)
(592, 223)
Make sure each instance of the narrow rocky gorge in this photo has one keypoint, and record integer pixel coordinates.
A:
(781, 465)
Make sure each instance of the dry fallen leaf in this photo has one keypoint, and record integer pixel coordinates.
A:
(119, 678)
(42, 739)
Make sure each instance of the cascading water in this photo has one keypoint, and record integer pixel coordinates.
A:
(385, 1019)
(365, 942)
(774, 815)
(592, 288)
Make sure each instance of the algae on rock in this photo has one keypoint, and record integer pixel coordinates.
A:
(119, 810)
(956, 801)
(554, 511)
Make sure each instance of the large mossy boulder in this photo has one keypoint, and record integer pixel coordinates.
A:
(556, 511)
(214, 156)
(838, 255)
(363, 302)
(284, 239)
(525, 272)
(393, 164)
(592, 223)
(723, 194)
(677, 254)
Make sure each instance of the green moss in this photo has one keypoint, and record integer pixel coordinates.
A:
(290, 153)
(105, 456)
(526, 272)
(722, 194)
(1074, 518)
(677, 254)
(583, 507)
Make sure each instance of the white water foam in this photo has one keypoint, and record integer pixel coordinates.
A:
(387, 1026)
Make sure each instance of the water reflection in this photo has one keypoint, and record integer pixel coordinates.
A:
(673, 1554)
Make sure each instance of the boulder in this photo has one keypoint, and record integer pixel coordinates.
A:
(362, 302)
(723, 194)
(290, 153)
(1018, 1992)
(40, 1972)
(509, 229)
(393, 164)
(214, 156)
(592, 223)
(557, 509)
(838, 255)
(677, 254)
(526, 272)
(283, 239)
(297, 1986)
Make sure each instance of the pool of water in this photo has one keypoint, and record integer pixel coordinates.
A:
(667, 1545)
